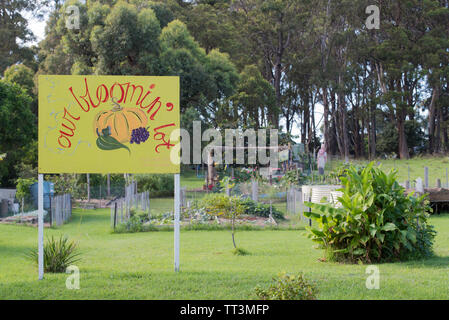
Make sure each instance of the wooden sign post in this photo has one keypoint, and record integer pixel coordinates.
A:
(40, 222)
(177, 219)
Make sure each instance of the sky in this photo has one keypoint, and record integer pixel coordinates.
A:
(38, 28)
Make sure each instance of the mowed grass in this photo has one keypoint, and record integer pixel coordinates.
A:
(437, 168)
(190, 180)
(140, 266)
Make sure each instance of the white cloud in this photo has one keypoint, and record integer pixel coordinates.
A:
(36, 26)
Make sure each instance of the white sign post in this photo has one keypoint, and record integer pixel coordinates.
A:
(177, 218)
(41, 225)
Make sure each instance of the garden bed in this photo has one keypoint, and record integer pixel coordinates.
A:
(29, 220)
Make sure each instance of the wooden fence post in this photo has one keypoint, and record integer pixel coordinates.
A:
(122, 202)
(115, 214)
(112, 216)
(149, 206)
(426, 177)
(51, 211)
(88, 187)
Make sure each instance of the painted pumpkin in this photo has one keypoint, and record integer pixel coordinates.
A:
(122, 122)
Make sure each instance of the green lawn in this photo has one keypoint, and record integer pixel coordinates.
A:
(437, 168)
(140, 266)
(190, 180)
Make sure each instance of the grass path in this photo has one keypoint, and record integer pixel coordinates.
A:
(139, 266)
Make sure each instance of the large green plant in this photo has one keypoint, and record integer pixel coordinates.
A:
(376, 222)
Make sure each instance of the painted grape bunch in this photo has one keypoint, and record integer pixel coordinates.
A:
(139, 135)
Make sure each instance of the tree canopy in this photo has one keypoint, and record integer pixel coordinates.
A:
(318, 68)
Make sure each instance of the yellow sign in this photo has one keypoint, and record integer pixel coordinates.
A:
(108, 124)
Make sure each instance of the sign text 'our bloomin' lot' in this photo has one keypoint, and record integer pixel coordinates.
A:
(133, 115)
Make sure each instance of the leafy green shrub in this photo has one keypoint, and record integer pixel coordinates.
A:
(68, 183)
(253, 208)
(228, 207)
(134, 224)
(23, 194)
(377, 221)
(23, 187)
(58, 254)
(288, 287)
(159, 185)
(250, 207)
(241, 176)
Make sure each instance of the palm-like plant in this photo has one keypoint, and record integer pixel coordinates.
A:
(58, 254)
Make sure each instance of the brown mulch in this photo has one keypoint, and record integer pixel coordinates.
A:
(97, 203)
(23, 220)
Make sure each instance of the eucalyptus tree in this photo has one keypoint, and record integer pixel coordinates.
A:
(138, 38)
(397, 52)
(15, 31)
(253, 98)
(273, 25)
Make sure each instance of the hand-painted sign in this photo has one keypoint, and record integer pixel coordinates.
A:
(107, 124)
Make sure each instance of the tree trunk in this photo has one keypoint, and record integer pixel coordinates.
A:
(336, 125)
(372, 131)
(403, 148)
(343, 121)
(274, 114)
(439, 143)
(345, 130)
(233, 236)
(88, 187)
(432, 113)
(326, 118)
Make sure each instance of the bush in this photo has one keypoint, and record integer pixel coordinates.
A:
(159, 185)
(68, 183)
(253, 208)
(288, 287)
(58, 254)
(134, 224)
(377, 221)
(250, 207)
(23, 188)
